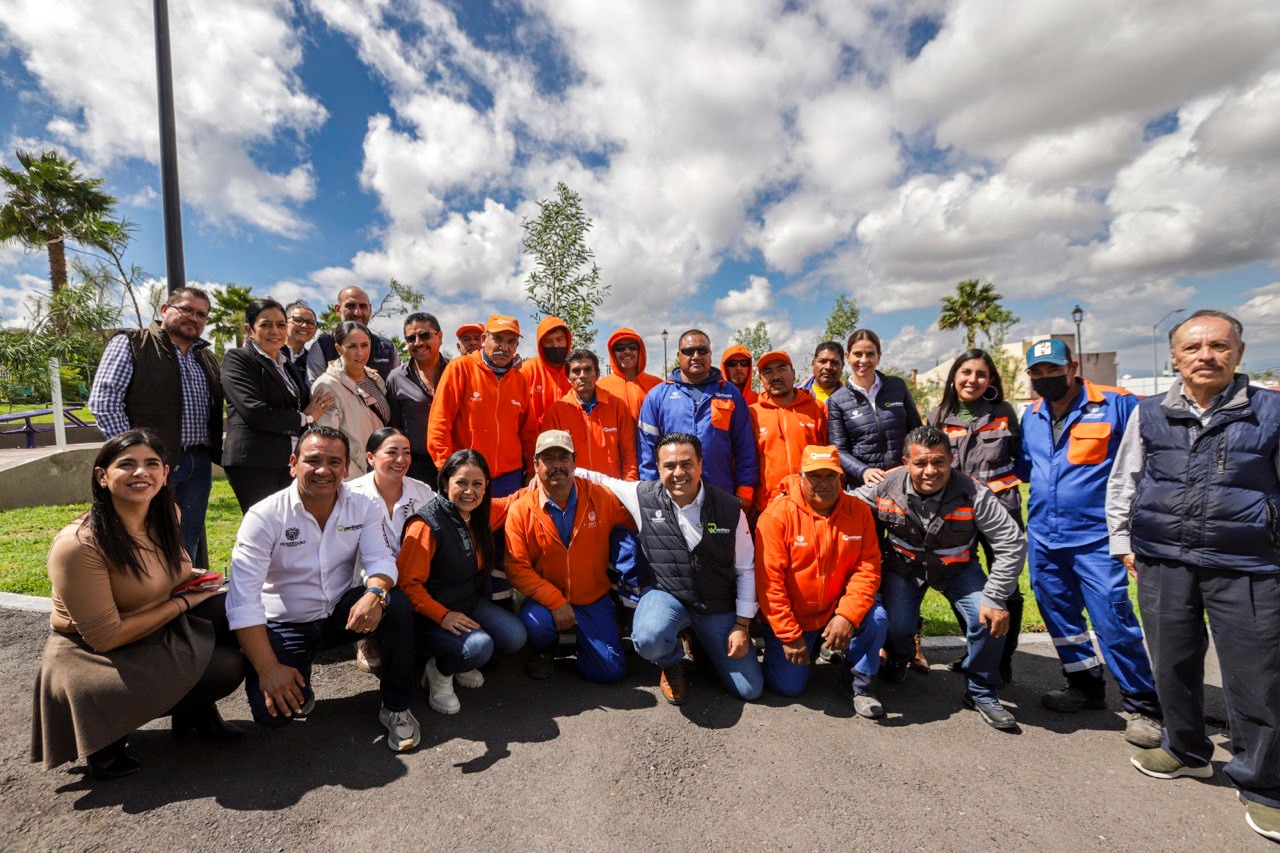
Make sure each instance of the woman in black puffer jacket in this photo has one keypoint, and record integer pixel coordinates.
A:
(868, 418)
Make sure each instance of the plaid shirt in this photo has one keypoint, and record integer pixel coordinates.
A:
(115, 372)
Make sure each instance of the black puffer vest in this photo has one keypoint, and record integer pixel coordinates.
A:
(934, 554)
(455, 580)
(704, 579)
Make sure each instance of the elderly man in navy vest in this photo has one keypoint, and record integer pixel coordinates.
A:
(929, 517)
(1192, 509)
(696, 544)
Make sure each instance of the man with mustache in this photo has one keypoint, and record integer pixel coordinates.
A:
(827, 367)
(1069, 442)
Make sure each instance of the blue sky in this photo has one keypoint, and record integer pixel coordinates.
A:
(741, 162)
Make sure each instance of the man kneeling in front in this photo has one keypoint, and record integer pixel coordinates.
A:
(292, 595)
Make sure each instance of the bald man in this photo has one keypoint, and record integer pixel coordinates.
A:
(353, 304)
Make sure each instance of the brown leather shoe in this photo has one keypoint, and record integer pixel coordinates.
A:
(920, 665)
(673, 684)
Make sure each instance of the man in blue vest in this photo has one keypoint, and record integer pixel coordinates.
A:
(353, 304)
(1069, 440)
(1192, 507)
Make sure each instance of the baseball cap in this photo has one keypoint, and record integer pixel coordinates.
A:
(819, 458)
(553, 438)
(775, 355)
(1049, 351)
(499, 323)
(469, 329)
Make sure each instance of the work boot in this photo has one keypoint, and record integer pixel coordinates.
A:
(918, 663)
(1069, 700)
(1262, 818)
(992, 712)
(894, 671)
(1142, 731)
(1161, 765)
(672, 683)
(539, 665)
(440, 695)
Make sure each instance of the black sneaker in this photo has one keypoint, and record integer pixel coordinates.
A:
(993, 713)
(538, 666)
(893, 672)
(1069, 700)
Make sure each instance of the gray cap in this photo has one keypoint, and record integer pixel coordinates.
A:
(553, 438)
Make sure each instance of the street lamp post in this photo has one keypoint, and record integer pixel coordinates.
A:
(1077, 314)
(1155, 356)
(172, 203)
(664, 351)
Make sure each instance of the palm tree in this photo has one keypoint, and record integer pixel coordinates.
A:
(226, 315)
(975, 308)
(49, 203)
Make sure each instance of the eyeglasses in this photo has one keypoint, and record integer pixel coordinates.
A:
(690, 352)
(419, 336)
(188, 311)
(627, 347)
(737, 362)
(302, 321)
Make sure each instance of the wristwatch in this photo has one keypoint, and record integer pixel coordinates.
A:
(378, 591)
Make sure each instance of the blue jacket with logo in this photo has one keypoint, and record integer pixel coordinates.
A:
(720, 420)
(1069, 477)
(871, 436)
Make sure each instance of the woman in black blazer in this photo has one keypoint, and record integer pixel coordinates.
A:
(268, 406)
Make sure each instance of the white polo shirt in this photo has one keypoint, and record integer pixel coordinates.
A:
(284, 568)
(415, 496)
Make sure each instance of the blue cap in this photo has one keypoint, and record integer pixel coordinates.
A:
(1050, 351)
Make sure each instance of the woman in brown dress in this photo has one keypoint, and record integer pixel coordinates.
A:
(125, 649)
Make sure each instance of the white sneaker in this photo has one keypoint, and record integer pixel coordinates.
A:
(471, 679)
(440, 695)
(403, 731)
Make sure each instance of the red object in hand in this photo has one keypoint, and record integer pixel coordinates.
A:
(207, 580)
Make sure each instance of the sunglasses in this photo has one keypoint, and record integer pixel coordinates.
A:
(420, 336)
(737, 362)
(690, 352)
(631, 347)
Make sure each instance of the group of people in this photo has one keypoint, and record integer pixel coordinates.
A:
(400, 506)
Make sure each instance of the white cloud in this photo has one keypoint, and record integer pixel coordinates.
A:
(235, 70)
(739, 308)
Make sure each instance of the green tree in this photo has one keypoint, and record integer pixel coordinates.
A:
(71, 325)
(756, 339)
(113, 274)
(48, 203)
(226, 316)
(842, 320)
(976, 307)
(565, 281)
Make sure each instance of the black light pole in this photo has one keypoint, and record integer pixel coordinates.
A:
(664, 351)
(168, 151)
(1077, 314)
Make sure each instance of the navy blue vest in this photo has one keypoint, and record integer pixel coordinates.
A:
(455, 580)
(703, 579)
(1210, 502)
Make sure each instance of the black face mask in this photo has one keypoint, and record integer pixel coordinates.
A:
(1052, 388)
(555, 355)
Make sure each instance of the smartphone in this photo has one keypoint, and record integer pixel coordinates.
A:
(209, 580)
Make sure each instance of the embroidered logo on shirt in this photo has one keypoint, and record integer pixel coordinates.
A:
(846, 537)
(292, 533)
(712, 527)
(475, 395)
(657, 515)
(349, 528)
(800, 539)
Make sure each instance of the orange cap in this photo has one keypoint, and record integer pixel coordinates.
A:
(469, 328)
(499, 323)
(818, 458)
(775, 355)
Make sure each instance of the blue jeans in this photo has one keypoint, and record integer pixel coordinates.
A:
(191, 479)
(660, 618)
(499, 631)
(296, 645)
(600, 655)
(499, 587)
(901, 599)
(862, 657)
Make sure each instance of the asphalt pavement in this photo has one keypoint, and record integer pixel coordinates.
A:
(565, 765)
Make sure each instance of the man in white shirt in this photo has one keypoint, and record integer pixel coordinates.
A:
(291, 591)
(696, 542)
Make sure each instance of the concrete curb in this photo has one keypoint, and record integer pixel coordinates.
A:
(37, 604)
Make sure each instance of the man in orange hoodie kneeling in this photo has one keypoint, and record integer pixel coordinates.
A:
(558, 556)
(817, 573)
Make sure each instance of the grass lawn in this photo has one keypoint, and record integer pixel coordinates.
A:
(25, 535)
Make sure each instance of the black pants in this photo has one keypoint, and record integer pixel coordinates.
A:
(1244, 615)
(227, 665)
(252, 484)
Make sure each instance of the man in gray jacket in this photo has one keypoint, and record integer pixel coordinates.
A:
(929, 517)
(1192, 510)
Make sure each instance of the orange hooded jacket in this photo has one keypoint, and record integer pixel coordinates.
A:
(748, 393)
(546, 382)
(781, 435)
(629, 391)
(475, 409)
(539, 564)
(809, 568)
(604, 439)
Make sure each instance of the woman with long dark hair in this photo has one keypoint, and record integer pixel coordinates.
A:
(362, 406)
(984, 433)
(128, 643)
(268, 406)
(446, 558)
